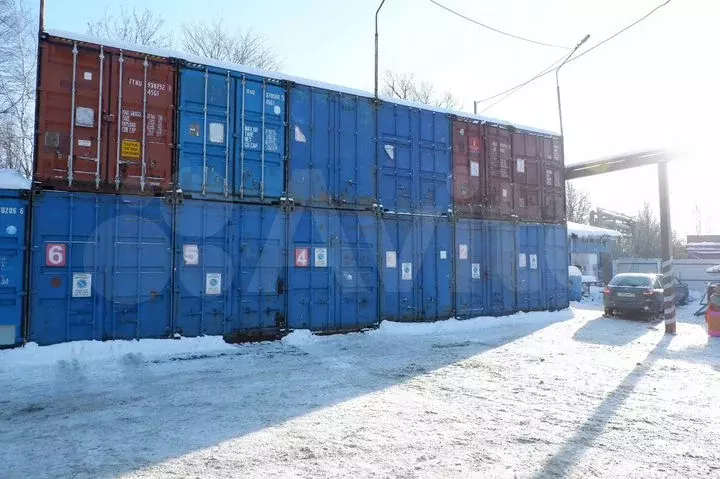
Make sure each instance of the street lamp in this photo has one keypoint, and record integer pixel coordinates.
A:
(376, 47)
(557, 83)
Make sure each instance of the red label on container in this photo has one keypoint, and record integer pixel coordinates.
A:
(55, 254)
(302, 257)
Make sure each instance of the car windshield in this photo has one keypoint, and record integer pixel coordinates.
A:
(631, 281)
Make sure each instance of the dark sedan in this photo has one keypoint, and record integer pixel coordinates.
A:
(629, 293)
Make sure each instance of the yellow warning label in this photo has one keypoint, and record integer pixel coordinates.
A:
(130, 149)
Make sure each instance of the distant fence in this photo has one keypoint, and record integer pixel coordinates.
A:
(690, 271)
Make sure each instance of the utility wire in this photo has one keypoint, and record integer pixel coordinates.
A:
(517, 37)
(551, 67)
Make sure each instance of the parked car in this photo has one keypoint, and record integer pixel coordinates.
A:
(629, 293)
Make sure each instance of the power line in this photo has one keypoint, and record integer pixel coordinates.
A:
(551, 67)
(517, 37)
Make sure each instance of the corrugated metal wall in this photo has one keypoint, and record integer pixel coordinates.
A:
(13, 215)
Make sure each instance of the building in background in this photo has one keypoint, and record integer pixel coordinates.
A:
(590, 249)
(703, 247)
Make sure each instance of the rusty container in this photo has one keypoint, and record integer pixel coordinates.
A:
(499, 170)
(527, 161)
(105, 118)
(469, 174)
(553, 181)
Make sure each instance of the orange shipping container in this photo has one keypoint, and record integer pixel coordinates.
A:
(105, 118)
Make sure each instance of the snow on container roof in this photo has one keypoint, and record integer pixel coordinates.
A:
(13, 180)
(587, 231)
(166, 52)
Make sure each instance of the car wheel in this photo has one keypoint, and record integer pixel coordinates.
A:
(608, 312)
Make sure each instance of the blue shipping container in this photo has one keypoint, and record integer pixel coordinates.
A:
(554, 259)
(230, 270)
(13, 215)
(100, 267)
(529, 267)
(414, 161)
(416, 268)
(332, 264)
(471, 273)
(231, 135)
(501, 255)
(332, 149)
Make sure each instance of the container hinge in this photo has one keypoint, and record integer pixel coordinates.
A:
(287, 204)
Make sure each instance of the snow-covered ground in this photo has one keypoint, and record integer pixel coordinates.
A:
(532, 395)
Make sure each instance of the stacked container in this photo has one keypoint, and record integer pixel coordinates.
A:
(509, 197)
(178, 196)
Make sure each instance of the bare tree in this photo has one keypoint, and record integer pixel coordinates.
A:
(578, 204)
(139, 27)
(18, 44)
(646, 234)
(698, 212)
(406, 87)
(218, 41)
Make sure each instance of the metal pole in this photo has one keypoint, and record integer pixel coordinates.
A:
(666, 246)
(41, 14)
(557, 84)
(475, 107)
(376, 47)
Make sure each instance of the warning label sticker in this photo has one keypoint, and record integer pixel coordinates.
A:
(191, 254)
(407, 271)
(533, 261)
(321, 259)
(213, 283)
(475, 271)
(390, 259)
(302, 257)
(81, 285)
(443, 254)
(130, 149)
(522, 260)
(474, 168)
(463, 251)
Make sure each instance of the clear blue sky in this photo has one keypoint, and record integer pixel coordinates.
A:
(657, 85)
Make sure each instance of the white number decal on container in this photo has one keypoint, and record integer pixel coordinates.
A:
(55, 254)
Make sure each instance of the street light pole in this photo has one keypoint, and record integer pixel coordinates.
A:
(376, 47)
(557, 84)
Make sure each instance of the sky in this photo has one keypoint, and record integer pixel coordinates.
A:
(655, 86)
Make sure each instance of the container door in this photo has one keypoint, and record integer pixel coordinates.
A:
(529, 268)
(400, 291)
(260, 153)
(499, 172)
(526, 150)
(137, 242)
(397, 153)
(355, 152)
(555, 266)
(67, 301)
(501, 264)
(468, 167)
(470, 268)
(434, 240)
(13, 214)
(311, 146)
(70, 145)
(311, 302)
(205, 251)
(354, 255)
(553, 193)
(142, 106)
(260, 282)
(435, 164)
(206, 134)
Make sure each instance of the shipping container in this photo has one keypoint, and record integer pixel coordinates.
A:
(469, 173)
(332, 149)
(13, 216)
(416, 268)
(229, 270)
(105, 118)
(332, 270)
(499, 169)
(471, 268)
(553, 193)
(530, 295)
(231, 135)
(554, 264)
(500, 270)
(527, 162)
(100, 267)
(414, 164)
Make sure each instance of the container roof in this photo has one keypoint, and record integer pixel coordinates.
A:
(587, 231)
(168, 53)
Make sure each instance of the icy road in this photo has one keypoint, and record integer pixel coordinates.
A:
(564, 394)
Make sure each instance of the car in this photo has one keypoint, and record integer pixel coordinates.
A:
(629, 293)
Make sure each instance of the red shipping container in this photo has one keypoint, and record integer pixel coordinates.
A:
(527, 161)
(105, 118)
(498, 158)
(553, 193)
(468, 167)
